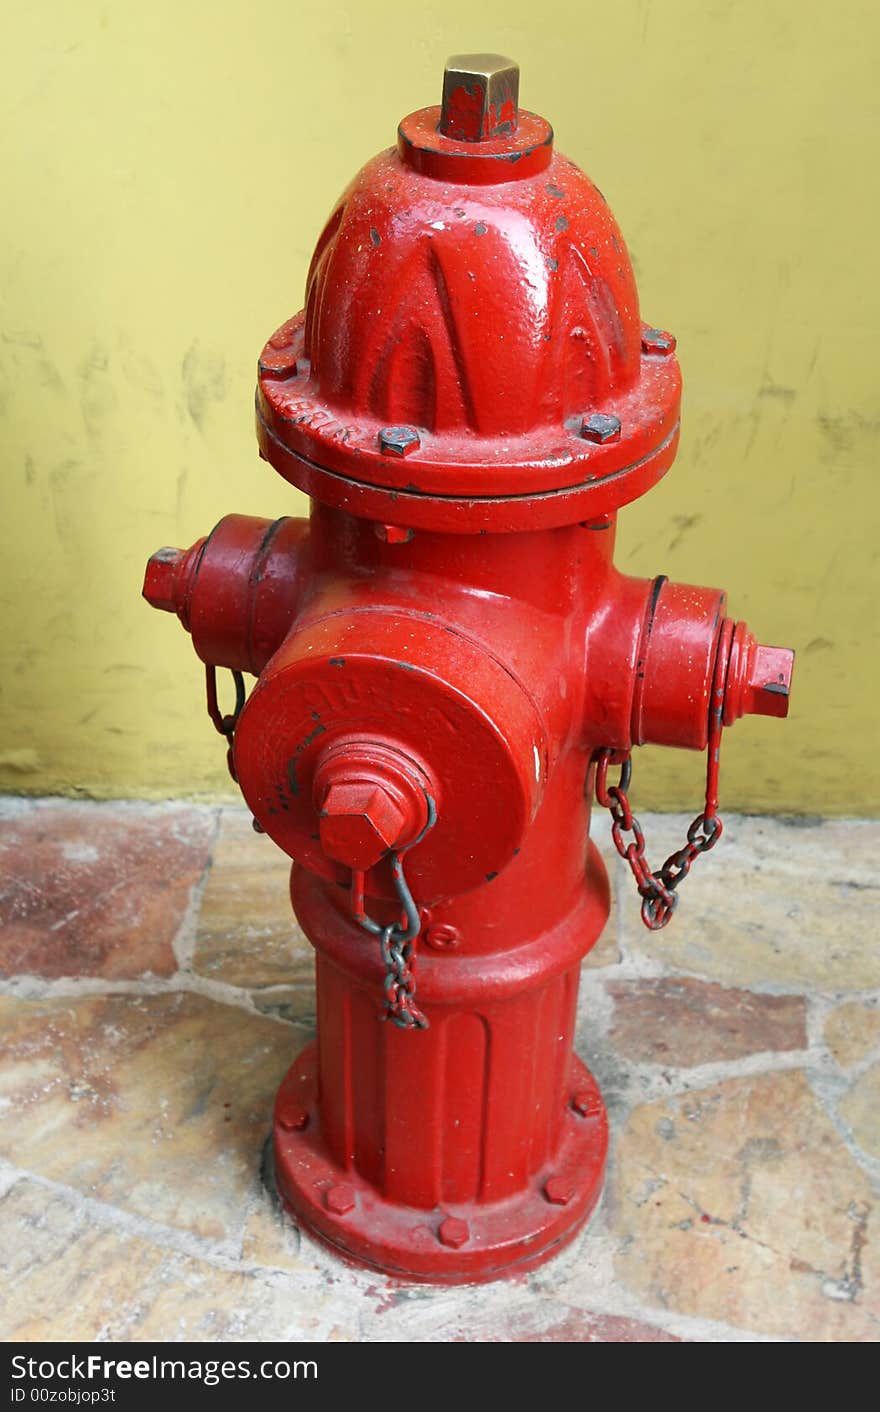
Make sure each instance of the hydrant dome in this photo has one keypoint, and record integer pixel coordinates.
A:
(471, 331)
(491, 310)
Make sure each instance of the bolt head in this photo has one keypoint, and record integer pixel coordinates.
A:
(293, 1119)
(399, 441)
(559, 1191)
(359, 821)
(393, 534)
(584, 1102)
(656, 341)
(340, 1200)
(600, 428)
(453, 1232)
(279, 363)
(159, 579)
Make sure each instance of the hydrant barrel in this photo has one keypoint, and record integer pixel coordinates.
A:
(448, 663)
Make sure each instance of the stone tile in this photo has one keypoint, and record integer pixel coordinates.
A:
(740, 1203)
(775, 902)
(158, 1105)
(247, 934)
(272, 1238)
(852, 1031)
(548, 1322)
(499, 1314)
(294, 1003)
(90, 890)
(67, 1279)
(606, 952)
(860, 1108)
(682, 1022)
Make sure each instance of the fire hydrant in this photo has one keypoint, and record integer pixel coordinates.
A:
(448, 666)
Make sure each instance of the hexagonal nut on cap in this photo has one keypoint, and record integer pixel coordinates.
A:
(657, 342)
(359, 821)
(600, 428)
(340, 1200)
(159, 579)
(453, 1232)
(399, 441)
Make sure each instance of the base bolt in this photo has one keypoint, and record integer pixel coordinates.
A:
(339, 1199)
(453, 1232)
(600, 428)
(293, 1119)
(584, 1102)
(559, 1191)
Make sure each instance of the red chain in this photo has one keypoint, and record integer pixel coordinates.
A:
(658, 890)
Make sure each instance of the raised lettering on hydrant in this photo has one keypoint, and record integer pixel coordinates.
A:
(448, 666)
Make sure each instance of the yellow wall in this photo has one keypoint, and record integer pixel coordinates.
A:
(165, 170)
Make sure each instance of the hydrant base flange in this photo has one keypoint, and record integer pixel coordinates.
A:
(454, 1244)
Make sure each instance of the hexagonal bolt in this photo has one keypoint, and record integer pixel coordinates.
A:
(559, 1191)
(160, 577)
(584, 1102)
(480, 97)
(279, 364)
(340, 1200)
(359, 821)
(600, 428)
(766, 692)
(656, 341)
(453, 1232)
(393, 534)
(293, 1119)
(399, 441)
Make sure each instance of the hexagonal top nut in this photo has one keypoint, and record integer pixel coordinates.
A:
(480, 97)
(600, 427)
(658, 342)
(359, 821)
(159, 579)
(399, 441)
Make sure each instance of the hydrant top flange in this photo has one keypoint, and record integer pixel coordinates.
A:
(471, 354)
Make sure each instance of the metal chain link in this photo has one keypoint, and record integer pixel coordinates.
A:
(225, 725)
(397, 940)
(658, 891)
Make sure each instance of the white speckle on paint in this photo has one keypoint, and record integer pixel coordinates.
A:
(537, 764)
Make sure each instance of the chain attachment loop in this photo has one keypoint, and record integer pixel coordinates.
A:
(658, 891)
(397, 940)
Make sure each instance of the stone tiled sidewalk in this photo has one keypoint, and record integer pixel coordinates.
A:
(155, 990)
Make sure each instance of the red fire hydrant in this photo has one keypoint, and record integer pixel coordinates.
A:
(448, 664)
